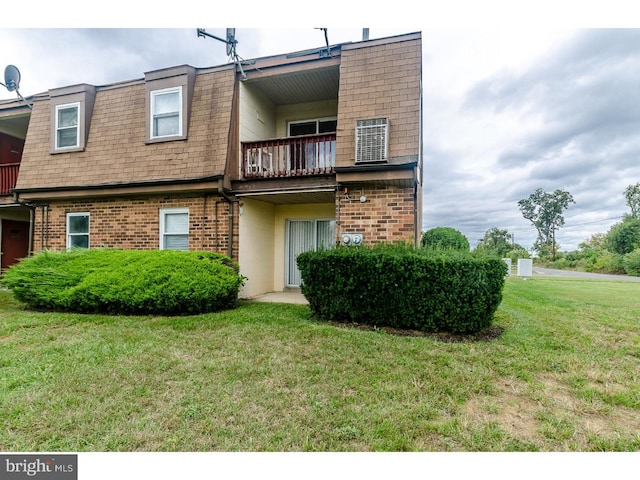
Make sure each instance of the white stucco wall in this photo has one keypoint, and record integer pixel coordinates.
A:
(262, 246)
(257, 114)
(256, 247)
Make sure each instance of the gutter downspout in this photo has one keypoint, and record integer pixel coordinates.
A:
(44, 236)
(204, 220)
(32, 218)
(416, 216)
(230, 201)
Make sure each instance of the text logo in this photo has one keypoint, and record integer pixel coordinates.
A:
(41, 467)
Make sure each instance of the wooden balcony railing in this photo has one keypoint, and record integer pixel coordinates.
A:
(8, 177)
(291, 156)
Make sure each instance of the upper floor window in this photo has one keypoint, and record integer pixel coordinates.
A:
(71, 111)
(78, 230)
(166, 112)
(67, 126)
(169, 94)
(310, 127)
(313, 153)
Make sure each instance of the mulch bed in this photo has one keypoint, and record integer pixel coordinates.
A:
(487, 335)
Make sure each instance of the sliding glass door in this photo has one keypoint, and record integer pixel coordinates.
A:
(302, 236)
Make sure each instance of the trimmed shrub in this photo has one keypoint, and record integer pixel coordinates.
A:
(166, 282)
(405, 288)
(446, 238)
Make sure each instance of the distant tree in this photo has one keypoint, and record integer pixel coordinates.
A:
(445, 238)
(594, 245)
(495, 241)
(545, 211)
(518, 252)
(624, 237)
(632, 194)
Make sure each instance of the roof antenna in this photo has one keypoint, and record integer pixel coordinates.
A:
(12, 81)
(231, 43)
(326, 40)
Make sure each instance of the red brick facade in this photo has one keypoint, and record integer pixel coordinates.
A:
(134, 223)
(386, 215)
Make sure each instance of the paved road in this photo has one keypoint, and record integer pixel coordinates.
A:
(549, 272)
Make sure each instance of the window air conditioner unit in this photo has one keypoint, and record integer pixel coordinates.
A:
(372, 140)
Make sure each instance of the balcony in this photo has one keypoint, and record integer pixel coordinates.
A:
(8, 177)
(288, 157)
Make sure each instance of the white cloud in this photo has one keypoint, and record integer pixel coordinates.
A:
(561, 116)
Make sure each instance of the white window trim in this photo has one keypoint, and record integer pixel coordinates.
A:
(69, 234)
(153, 94)
(77, 127)
(163, 212)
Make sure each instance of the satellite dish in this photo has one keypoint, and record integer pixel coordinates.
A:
(231, 39)
(12, 78)
(12, 81)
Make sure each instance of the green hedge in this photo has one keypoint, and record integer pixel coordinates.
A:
(401, 287)
(126, 281)
(445, 238)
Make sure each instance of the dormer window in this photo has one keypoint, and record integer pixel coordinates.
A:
(168, 103)
(166, 112)
(67, 126)
(71, 110)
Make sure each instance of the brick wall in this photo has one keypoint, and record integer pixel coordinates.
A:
(134, 223)
(387, 215)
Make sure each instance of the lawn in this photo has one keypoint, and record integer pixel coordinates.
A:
(268, 377)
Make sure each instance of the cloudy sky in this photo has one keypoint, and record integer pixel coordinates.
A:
(541, 104)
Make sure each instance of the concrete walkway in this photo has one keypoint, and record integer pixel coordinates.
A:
(288, 296)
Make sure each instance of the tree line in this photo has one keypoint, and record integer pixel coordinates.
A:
(614, 251)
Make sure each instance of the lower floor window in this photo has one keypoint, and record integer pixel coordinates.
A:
(174, 229)
(78, 230)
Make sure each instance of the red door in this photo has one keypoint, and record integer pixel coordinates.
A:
(15, 241)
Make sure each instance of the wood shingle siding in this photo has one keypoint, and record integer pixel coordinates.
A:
(116, 152)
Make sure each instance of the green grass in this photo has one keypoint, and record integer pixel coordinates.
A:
(268, 377)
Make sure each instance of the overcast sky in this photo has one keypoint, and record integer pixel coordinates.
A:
(550, 104)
